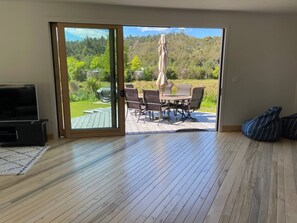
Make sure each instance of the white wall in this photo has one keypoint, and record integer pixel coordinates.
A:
(261, 51)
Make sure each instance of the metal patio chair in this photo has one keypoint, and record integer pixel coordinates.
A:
(184, 89)
(152, 103)
(129, 85)
(133, 102)
(193, 104)
(168, 88)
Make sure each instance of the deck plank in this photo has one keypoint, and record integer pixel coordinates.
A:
(101, 118)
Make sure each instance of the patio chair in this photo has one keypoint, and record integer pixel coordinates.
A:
(133, 102)
(184, 89)
(168, 88)
(152, 103)
(128, 85)
(193, 104)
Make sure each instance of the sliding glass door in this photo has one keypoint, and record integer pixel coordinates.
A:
(89, 78)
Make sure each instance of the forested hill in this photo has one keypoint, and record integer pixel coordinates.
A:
(183, 50)
(188, 57)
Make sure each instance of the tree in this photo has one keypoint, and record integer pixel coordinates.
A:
(135, 63)
(126, 60)
(104, 64)
(76, 69)
(88, 46)
(216, 72)
(95, 63)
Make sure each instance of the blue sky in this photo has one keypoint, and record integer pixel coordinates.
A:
(73, 34)
(196, 32)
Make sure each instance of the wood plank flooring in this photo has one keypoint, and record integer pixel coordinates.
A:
(179, 177)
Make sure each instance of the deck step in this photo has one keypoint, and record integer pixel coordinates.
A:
(88, 112)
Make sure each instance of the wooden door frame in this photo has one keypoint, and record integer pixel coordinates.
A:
(220, 82)
(62, 93)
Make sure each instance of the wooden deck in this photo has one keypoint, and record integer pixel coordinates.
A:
(194, 177)
(101, 118)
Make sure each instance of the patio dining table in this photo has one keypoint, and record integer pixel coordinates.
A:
(171, 97)
(173, 100)
(174, 97)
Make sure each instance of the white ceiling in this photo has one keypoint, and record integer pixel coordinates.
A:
(278, 6)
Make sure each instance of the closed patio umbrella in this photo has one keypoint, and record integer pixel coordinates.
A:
(162, 78)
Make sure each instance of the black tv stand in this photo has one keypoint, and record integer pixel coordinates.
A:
(31, 133)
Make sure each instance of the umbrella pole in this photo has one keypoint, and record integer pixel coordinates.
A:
(161, 89)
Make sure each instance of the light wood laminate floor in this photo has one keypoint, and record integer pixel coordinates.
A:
(179, 177)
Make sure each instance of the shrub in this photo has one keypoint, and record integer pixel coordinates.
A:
(216, 72)
(79, 95)
(73, 86)
(87, 90)
(105, 76)
(147, 74)
(171, 74)
(93, 85)
(197, 73)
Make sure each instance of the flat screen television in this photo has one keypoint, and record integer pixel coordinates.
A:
(18, 103)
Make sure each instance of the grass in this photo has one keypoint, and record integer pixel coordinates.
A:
(208, 106)
(77, 108)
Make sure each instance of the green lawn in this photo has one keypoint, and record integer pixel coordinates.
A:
(208, 106)
(78, 107)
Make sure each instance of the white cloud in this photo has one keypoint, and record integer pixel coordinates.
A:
(87, 32)
(156, 29)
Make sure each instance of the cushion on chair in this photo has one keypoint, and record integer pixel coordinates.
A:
(289, 126)
(265, 127)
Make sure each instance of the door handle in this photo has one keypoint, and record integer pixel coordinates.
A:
(122, 93)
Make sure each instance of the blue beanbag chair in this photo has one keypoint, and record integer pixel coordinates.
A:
(289, 126)
(265, 127)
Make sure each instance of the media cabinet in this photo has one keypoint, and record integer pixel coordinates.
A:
(23, 133)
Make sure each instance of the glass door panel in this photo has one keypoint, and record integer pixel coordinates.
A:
(91, 79)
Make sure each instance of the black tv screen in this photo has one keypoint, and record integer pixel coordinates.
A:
(18, 102)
